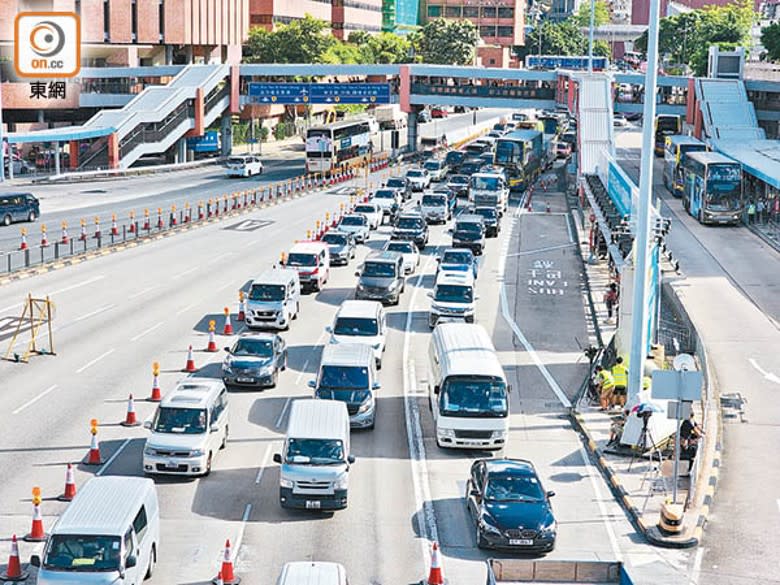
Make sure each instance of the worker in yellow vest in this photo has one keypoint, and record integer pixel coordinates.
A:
(620, 377)
(606, 386)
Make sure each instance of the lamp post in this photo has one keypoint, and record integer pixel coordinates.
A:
(2, 138)
(590, 34)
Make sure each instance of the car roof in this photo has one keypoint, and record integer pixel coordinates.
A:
(259, 335)
(193, 393)
(358, 308)
(312, 573)
(347, 354)
(455, 278)
(405, 242)
(470, 217)
(410, 214)
(383, 256)
(457, 250)
(317, 419)
(276, 276)
(374, 206)
(337, 233)
(308, 248)
(522, 466)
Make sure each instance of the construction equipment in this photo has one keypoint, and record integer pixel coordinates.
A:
(37, 313)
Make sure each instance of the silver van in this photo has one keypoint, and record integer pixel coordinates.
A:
(274, 299)
(108, 534)
(347, 373)
(312, 573)
(316, 457)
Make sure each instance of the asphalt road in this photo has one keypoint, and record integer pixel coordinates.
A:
(117, 314)
(730, 291)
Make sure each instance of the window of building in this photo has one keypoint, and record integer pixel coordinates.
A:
(487, 31)
(161, 18)
(488, 12)
(506, 31)
(491, 61)
(77, 7)
(506, 12)
(434, 11)
(471, 12)
(106, 20)
(134, 21)
(452, 11)
(261, 19)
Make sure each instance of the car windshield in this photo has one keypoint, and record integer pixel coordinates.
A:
(335, 239)
(402, 247)
(457, 258)
(453, 293)
(354, 396)
(343, 377)
(236, 161)
(73, 552)
(385, 194)
(470, 168)
(459, 180)
(354, 220)
(186, 421)
(485, 183)
(266, 292)
(356, 326)
(415, 173)
(365, 209)
(396, 183)
(253, 348)
(486, 212)
(434, 200)
(299, 259)
(473, 396)
(468, 226)
(454, 157)
(433, 165)
(504, 487)
(314, 451)
(379, 269)
(410, 223)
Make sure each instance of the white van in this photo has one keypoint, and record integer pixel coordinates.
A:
(312, 262)
(274, 299)
(108, 534)
(453, 298)
(316, 457)
(189, 427)
(243, 166)
(312, 573)
(347, 374)
(361, 322)
(437, 168)
(467, 388)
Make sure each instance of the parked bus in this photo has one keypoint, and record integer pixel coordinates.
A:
(520, 154)
(553, 124)
(340, 143)
(712, 187)
(677, 145)
(665, 125)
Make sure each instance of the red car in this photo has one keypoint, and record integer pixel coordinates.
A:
(439, 113)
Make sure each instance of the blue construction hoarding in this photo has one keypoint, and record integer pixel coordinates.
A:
(319, 93)
(563, 62)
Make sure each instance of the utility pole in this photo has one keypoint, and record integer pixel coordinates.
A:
(590, 34)
(2, 139)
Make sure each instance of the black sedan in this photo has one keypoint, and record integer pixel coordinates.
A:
(510, 508)
(255, 361)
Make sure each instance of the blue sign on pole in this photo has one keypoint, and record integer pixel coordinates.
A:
(319, 93)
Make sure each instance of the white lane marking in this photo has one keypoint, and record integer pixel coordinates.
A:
(35, 399)
(420, 478)
(767, 375)
(240, 537)
(592, 472)
(284, 411)
(264, 464)
(568, 229)
(538, 250)
(56, 292)
(696, 571)
(185, 272)
(152, 328)
(93, 313)
(96, 360)
(108, 463)
(143, 292)
(185, 309)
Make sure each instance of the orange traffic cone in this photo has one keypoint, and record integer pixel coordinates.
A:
(44, 237)
(227, 575)
(130, 419)
(190, 365)
(70, 486)
(228, 330)
(114, 227)
(218, 579)
(65, 239)
(241, 308)
(436, 575)
(156, 393)
(37, 533)
(93, 457)
(13, 572)
(23, 244)
(212, 346)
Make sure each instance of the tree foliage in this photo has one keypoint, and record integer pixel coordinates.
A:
(307, 40)
(446, 42)
(770, 39)
(601, 14)
(560, 38)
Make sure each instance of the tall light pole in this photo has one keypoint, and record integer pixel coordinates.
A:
(639, 309)
(590, 34)
(2, 138)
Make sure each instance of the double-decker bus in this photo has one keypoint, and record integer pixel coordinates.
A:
(340, 143)
(520, 154)
(665, 125)
(712, 187)
(677, 146)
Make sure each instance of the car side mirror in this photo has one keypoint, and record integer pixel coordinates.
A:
(550, 494)
(214, 428)
(435, 389)
(429, 294)
(357, 272)
(131, 562)
(148, 424)
(311, 383)
(35, 561)
(277, 458)
(328, 329)
(376, 386)
(226, 349)
(474, 493)
(350, 458)
(476, 297)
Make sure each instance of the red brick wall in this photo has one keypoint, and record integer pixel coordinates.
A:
(120, 21)
(148, 21)
(175, 18)
(91, 28)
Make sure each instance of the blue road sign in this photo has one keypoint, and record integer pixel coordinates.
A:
(319, 93)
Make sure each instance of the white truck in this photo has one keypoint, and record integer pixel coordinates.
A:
(489, 189)
(390, 117)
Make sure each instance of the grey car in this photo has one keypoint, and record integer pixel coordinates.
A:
(254, 361)
(342, 247)
(381, 278)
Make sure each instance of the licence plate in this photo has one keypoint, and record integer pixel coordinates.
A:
(171, 464)
(313, 504)
(245, 380)
(521, 541)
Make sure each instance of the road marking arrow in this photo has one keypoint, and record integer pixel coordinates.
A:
(767, 375)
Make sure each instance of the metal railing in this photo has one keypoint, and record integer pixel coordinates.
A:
(156, 131)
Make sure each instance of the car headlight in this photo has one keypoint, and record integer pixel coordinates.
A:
(364, 407)
(549, 527)
(342, 482)
(285, 483)
(499, 434)
(485, 526)
(197, 453)
(393, 285)
(447, 433)
(149, 450)
(266, 370)
(227, 367)
(377, 346)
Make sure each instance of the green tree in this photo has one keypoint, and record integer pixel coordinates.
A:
(344, 53)
(446, 42)
(307, 40)
(770, 39)
(555, 38)
(386, 48)
(601, 14)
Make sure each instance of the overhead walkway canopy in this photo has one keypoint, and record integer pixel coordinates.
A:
(760, 158)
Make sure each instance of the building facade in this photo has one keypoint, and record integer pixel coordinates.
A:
(344, 16)
(400, 16)
(353, 15)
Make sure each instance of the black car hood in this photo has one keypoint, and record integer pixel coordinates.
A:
(467, 236)
(376, 281)
(509, 515)
(399, 233)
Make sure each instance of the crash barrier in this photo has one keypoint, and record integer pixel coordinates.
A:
(555, 571)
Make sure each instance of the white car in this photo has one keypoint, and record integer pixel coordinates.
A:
(408, 250)
(355, 224)
(373, 213)
(419, 179)
(437, 168)
(620, 121)
(388, 200)
(360, 321)
(244, 166)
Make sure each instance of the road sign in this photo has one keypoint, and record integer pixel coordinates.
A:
(319, 93)
(683, 413)
(673, 385)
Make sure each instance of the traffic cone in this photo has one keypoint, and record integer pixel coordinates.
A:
(65, 239)
(212, 346)
(190, 366)
(130, 419)
(114, 227)
(13, 572)
(83, 236)
(156, 393)
(44, 237)
(131, 228)
(218, 579)
(23, 244)
(228, 330)
(70, 486)
(93, 457)
(37, 533)
(97, 228)
(436, 575)
(241, 308)
(227, 574)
